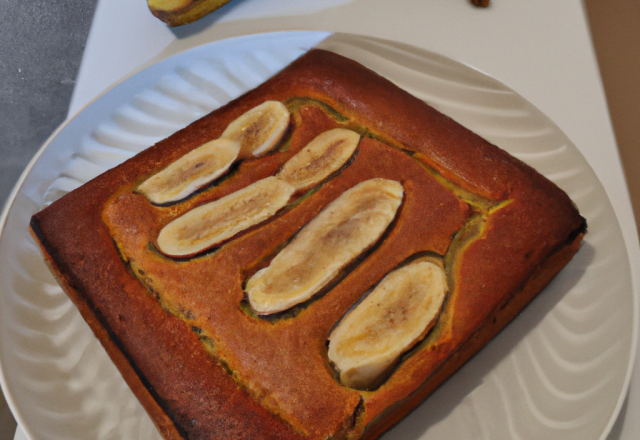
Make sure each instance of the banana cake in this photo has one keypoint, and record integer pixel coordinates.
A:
(309, 261)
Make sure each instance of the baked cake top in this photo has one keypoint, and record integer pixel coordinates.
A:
(207, 360)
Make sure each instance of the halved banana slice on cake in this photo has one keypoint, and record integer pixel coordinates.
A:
(191, 172)
(217, 221)
(336, 236)
(390, 320)
(259, 129)
(324, 155)
(210, 224)
(253, 133)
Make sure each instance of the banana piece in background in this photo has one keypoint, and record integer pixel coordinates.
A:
(179, 12)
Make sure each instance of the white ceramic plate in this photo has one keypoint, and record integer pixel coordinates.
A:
(559, 371)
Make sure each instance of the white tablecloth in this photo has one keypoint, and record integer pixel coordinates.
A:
(540, 49)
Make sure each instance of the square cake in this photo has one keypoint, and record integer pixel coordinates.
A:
(309, 261)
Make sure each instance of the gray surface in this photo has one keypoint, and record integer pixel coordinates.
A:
(41, 45)
(7, 424)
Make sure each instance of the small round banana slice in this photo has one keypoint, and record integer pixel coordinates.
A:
(336, 236)
(191, 172)
(212, 223)
(260, 129)
(390, 320)
(325, 154)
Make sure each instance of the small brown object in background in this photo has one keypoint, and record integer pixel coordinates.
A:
(179, 12)
(481, 3)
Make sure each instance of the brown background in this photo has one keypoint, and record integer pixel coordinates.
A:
(615, 31)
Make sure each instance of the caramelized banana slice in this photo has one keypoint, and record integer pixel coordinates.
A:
(342, 231)
(322, 156)
(210, 224)
(191, 172)
(179, 12)
(259, 129)
(391, 319)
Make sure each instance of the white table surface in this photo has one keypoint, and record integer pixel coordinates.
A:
(540, 49)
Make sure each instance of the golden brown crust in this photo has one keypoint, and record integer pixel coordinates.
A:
(203, 366)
